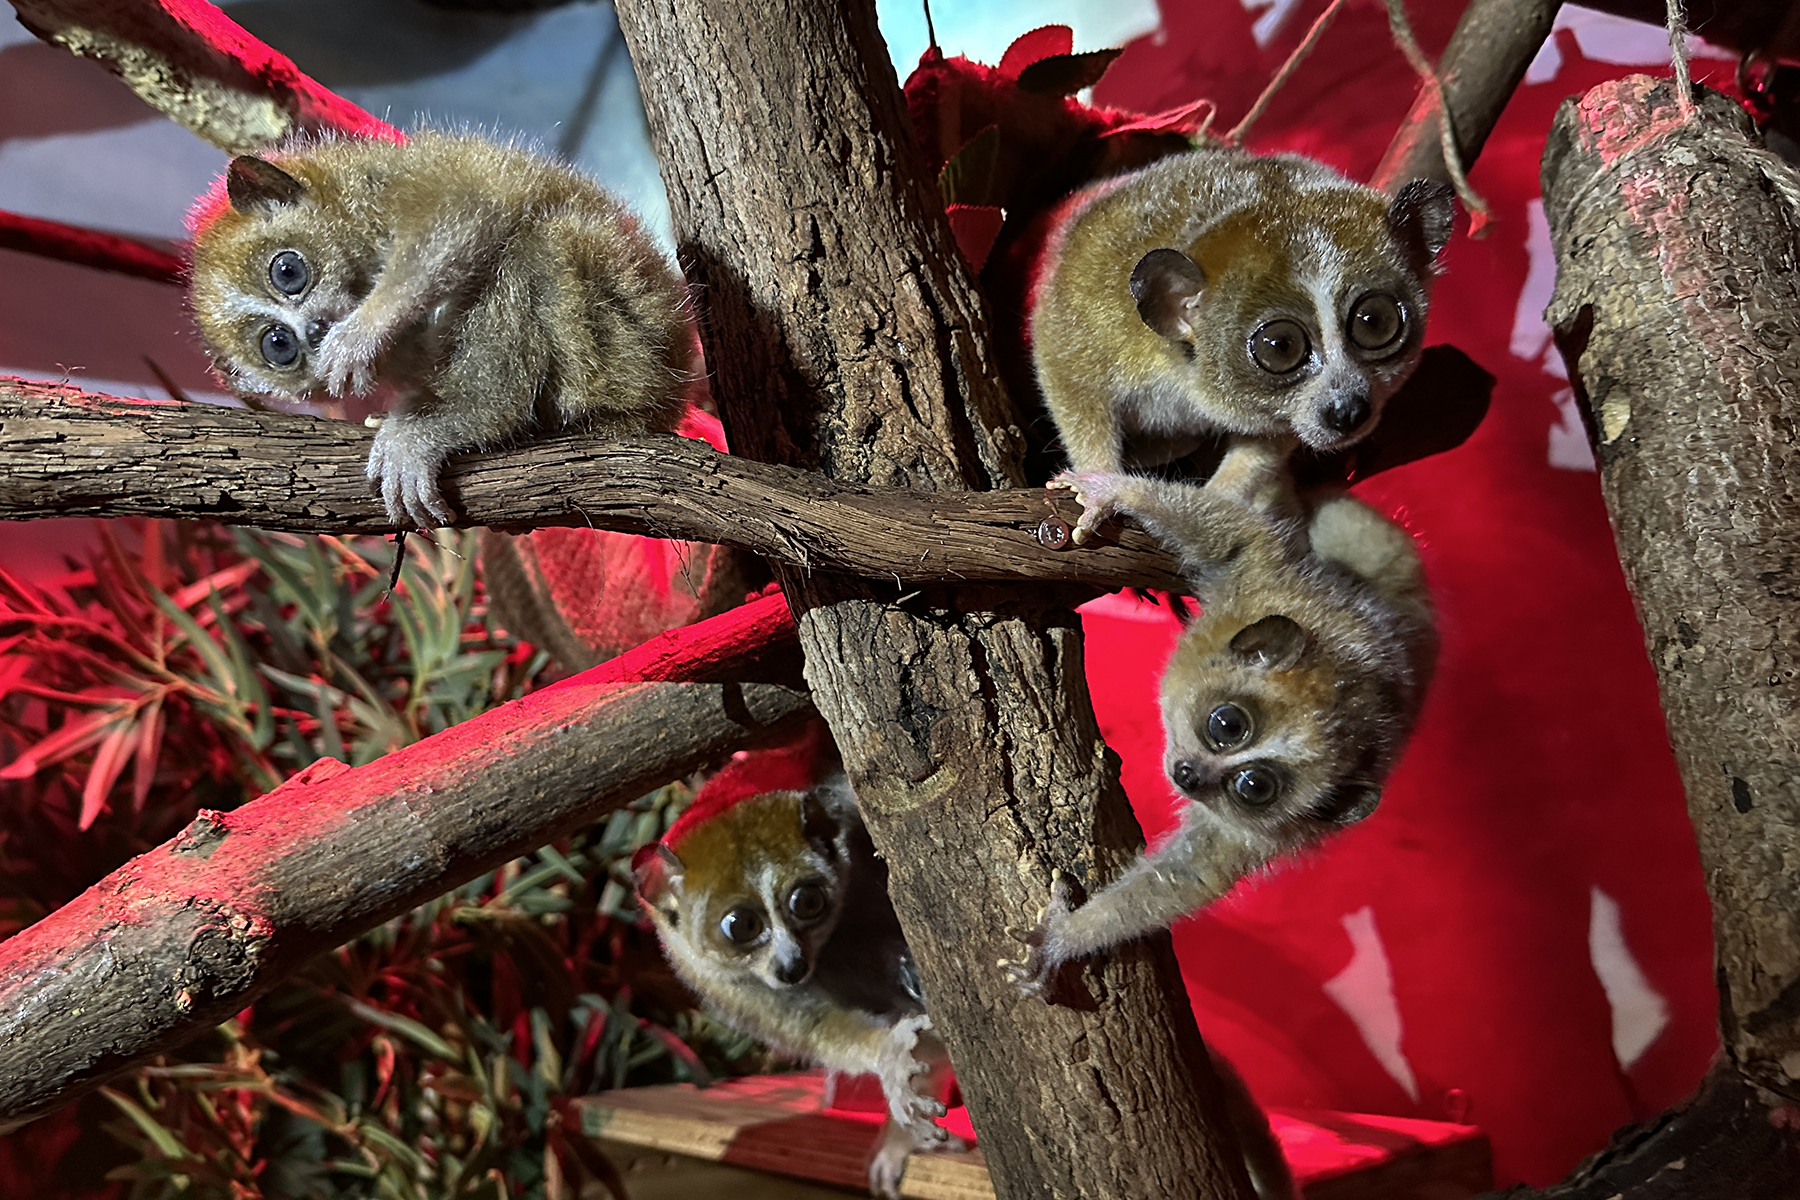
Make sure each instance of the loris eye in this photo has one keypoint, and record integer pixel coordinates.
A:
(806, 903)
(1255, 786)
(1376, 322)
(1280, 347)
(742, 925)
(1227, 726)
(289, 274)
(280, 346)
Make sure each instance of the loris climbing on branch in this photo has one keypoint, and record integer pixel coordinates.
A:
(485, 291)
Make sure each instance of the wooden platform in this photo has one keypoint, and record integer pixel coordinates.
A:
(778, 1123)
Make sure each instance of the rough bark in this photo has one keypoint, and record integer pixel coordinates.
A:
(182, 937)
(187, 59)
(1494, 43)
(1677, 307)
(305, 474)
(822, 262)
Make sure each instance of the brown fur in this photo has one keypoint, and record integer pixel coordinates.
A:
(1136, 382)
(487, 291)
(857, 1007)
(1315, 633)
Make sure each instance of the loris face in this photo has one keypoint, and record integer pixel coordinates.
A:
(754, 891)
(1269, 736)
(1303, 313)
(275, 267)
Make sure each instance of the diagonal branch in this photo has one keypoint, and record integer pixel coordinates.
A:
(89, 248)
(187, 59)
(180, 938)
(1494, 43)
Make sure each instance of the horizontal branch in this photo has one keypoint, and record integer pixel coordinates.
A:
(180, 938)
(89, 248)
(64, 452)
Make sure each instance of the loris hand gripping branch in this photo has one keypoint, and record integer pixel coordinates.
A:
(489, 291)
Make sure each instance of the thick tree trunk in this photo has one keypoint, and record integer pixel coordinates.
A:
(843, 332)
(180, 938)
(1677, 307)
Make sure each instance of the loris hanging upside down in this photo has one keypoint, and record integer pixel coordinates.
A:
(489, 291)
(1287, 700)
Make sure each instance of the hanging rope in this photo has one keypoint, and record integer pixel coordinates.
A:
(1402, 32)
(1678, 59)
(1242, 129)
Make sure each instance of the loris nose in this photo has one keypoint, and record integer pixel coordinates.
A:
(1347, 412)
(791, 970)
(315, 332)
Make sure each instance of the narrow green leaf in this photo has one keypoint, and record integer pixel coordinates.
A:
(165, 1142)
(407, 1028)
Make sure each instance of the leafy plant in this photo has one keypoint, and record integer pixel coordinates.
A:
(194, 666)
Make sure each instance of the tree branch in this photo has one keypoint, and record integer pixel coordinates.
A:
(89, 248)
(180, 938)
(1494, 43)
(1675, 309)
(187, 59)
(305, 474)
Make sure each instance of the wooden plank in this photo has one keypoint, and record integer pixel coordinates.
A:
(779, 1124)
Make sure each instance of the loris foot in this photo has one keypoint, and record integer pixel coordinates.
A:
(406, 461)
(346, 358)
(1046, 951)
(900, 1071)
(888, 1167)
(1099, 495)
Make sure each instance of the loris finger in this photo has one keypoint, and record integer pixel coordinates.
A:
(407, 462)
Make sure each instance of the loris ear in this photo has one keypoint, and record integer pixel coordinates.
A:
(819, 823)
(256, 185)
(1347, 804)
(1421, 218)
(1167, 286)
(1274, 643)
(656, 870)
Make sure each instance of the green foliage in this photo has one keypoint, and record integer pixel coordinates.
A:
(433, 1057)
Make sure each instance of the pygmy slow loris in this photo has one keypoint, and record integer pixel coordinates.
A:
(490, 291)
(1223, 292)
(1287, 700)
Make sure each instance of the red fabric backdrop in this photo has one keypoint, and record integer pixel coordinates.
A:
(1452, 956)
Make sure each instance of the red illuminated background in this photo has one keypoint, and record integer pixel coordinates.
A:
(1519, 936)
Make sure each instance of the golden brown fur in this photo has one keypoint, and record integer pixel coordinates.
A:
(1287, 700)
(1155, 288)
(839, 990)
(487, 291)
